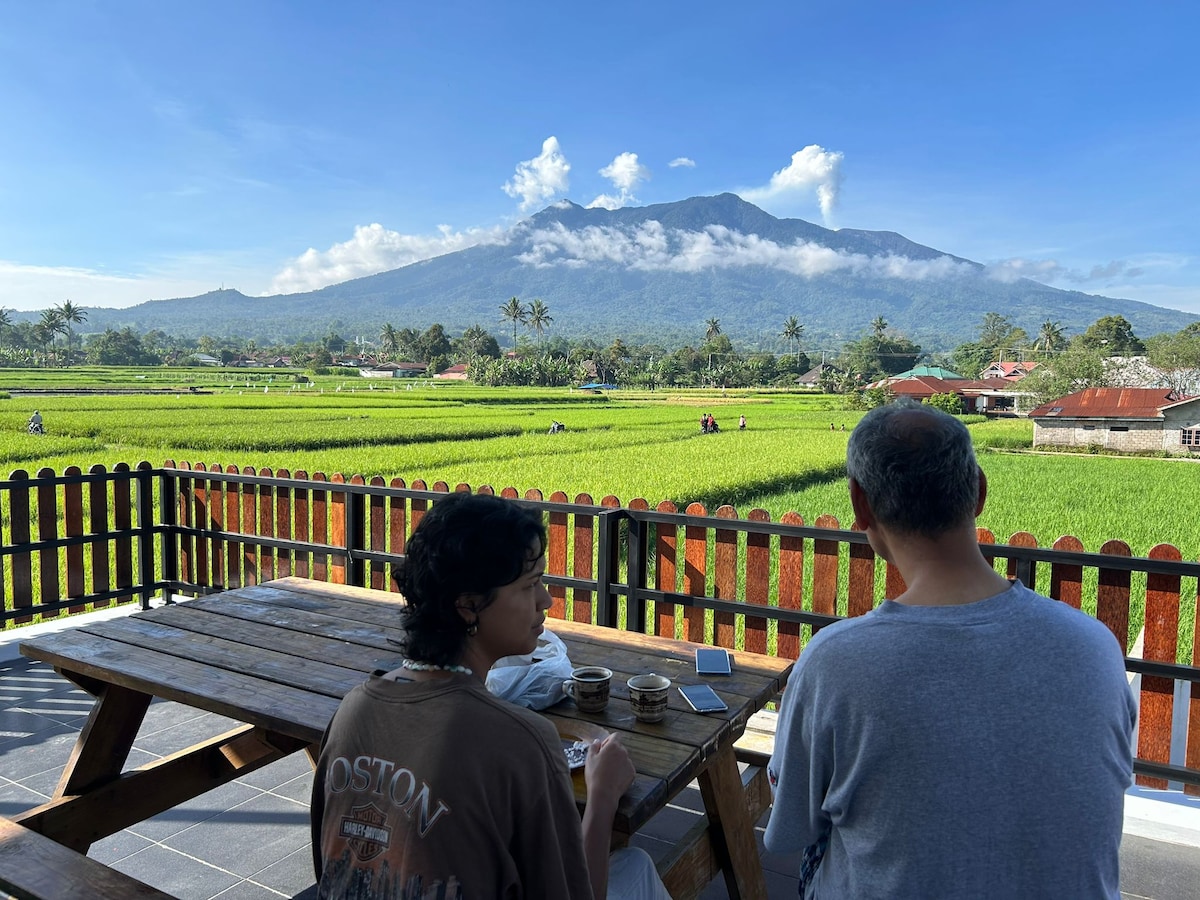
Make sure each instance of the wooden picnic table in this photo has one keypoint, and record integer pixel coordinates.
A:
(280, 656)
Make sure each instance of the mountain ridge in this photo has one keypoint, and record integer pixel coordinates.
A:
(658, 273)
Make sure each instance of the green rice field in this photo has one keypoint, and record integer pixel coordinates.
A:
(791, 457)
(628, 445)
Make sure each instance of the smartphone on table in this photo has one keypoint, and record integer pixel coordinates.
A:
(702, 698)
(713, 661)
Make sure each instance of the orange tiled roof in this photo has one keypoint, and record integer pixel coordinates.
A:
(1110, 403)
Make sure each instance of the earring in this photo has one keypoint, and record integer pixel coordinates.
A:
(473, 629)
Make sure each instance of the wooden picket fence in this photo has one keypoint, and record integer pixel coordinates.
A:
(81, 541)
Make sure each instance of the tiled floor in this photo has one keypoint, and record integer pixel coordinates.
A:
(249, 840)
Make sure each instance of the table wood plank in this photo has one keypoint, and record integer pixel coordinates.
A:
(232, 656)
(276, 707)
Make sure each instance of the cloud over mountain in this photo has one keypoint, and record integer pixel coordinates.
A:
(539, 179)
(813, 168)
(375, 249)
(625, 173)
(650, 246)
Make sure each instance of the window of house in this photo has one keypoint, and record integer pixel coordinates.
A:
(1089, 427)
(1119, 428)
(1190, 437)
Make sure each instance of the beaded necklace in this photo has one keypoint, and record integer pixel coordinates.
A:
(417, 666)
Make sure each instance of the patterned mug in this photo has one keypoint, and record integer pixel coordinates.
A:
(588, 687)
(648, 695)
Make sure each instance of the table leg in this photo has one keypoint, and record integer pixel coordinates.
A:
(730, 827)
(104, 743)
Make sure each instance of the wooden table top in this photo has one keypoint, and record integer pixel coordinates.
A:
(282, 655)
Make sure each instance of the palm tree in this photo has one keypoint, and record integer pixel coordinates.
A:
(792, 331)
(879, 326)
(5, 324)
(1050, 337)
(47, 329)
(539, 318)
(70, 314)
(390, 340)
(713, 329)
(514, 311)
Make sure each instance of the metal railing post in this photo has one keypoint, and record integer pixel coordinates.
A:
(608, 567)
(146, 527)
(636, 569)
(356, 538)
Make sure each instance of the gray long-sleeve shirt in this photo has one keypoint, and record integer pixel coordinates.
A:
(977, 751)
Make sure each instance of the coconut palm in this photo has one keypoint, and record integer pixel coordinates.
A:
(514, 311)
(792, 331)
(1050, 337)
(389, 339)
(47, 329)
(70, 314)
(539, 318)
(879, 325)
(713, 329)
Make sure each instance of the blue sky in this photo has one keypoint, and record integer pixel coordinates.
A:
(152, 150)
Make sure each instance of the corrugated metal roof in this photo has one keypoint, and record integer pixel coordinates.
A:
(1110, 403)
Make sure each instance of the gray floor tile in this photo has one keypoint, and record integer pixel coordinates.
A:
(249, 837)
(170, 733)
(118, 846)
(268, 778)
(16, 798)
(198, 809)
(291, 875)
(176, 874)
(44, 751)
(248, 890)
(21, 723)
(298, 789)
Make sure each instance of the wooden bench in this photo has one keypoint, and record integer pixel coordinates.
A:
(758, 741)
(34, 867)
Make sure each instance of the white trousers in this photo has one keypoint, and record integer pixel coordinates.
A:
(632, 876)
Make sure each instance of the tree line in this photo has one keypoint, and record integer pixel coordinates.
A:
(538, 358)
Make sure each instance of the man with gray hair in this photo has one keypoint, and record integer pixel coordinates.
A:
(968, 739)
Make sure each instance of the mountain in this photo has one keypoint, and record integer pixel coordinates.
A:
(658, 273)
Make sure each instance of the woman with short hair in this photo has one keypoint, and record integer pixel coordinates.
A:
(426, 781)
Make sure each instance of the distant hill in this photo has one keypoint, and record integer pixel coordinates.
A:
(658, 273)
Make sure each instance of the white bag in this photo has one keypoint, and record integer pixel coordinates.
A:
(534, 680)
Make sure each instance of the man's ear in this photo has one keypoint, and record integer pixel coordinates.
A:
(982, 493)
(864, 518)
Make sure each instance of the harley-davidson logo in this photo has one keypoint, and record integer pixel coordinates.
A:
(366, 831)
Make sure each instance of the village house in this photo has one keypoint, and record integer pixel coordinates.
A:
(1125, 419)
(395, 370)
(992, 395)
(456, 372)
(1009, 371)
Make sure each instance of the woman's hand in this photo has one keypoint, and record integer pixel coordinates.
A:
(609, 771)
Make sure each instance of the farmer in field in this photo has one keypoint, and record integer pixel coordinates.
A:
(35, 423)
(968, 739)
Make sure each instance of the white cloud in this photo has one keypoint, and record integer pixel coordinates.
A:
(681, 161)
(27, 287)
(813, 168)
(537, 180)
(1049, 271)
(652, 247)
(375, 249)
(625, 173)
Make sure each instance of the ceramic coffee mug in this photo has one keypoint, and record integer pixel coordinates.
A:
(588, 687)
(648, 695)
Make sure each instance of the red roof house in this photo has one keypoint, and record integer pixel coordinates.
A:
(1125, 419)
